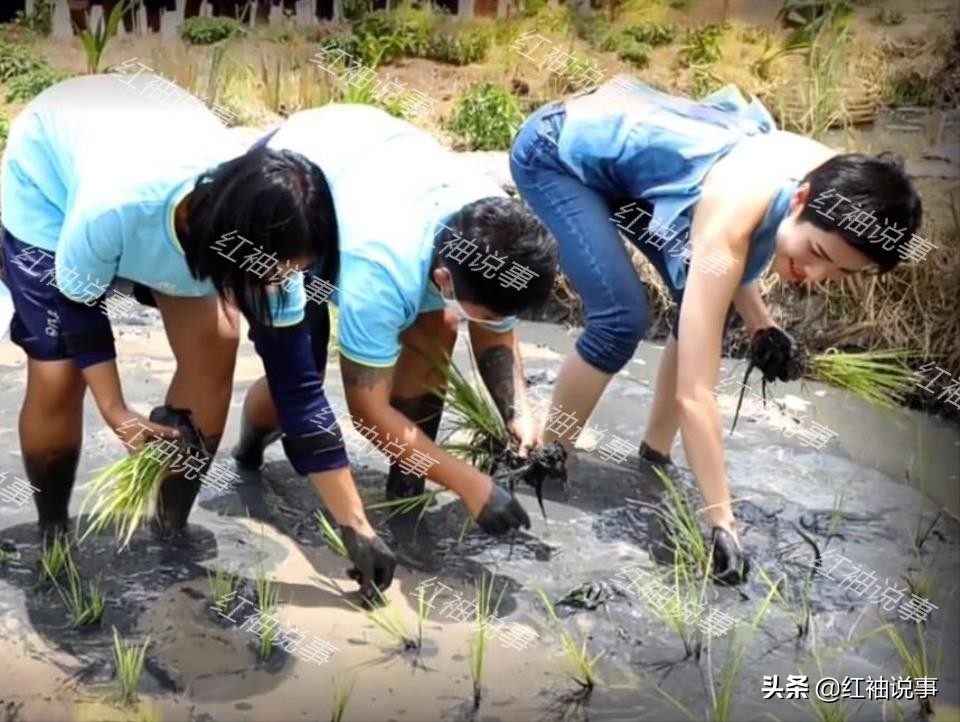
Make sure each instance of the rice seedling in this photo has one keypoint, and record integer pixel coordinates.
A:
(55, 558)
(128, 658)
(385, 615)
(222, 585)
(84, 608)
(330, 535)
(409, 504)
(722, 698)
(423, 612)
(689, 546)
(268, 600)
(341, 698)
(836, 711)
(121, 494)
(879, 377)
(915, 661)
(582, 667)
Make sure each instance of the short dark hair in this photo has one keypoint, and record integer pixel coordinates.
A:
(862, 183)
(505, 227)
(276, 199)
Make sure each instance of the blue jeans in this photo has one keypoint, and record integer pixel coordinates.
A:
(592, 253)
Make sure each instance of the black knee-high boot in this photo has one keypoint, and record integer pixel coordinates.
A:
(179, 489)
(253, 442)
(52, 475)
(426, 411)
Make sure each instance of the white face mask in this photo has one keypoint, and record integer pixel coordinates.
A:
(454, 305)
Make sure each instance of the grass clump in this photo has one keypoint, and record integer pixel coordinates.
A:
(653, 34)
(910, 87)
(385, 615)
(268, 601)
(915, 660)
(55, 558)
(121, 494)
(84, 607)
(128, 658)
(701, 45)
(486, 117)
(459, 47)
(330, 535)
(222, 585)
(209, 30)
(385, 36)
(582, 667)
(879, 377)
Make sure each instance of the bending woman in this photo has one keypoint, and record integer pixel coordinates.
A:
(192, 221)
(712, 194)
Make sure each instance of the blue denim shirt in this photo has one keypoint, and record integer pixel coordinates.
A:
(630, 140)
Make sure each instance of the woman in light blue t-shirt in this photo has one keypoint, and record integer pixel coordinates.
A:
(191, 221)
(712, 194)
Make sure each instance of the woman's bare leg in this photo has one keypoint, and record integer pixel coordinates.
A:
(664, 421)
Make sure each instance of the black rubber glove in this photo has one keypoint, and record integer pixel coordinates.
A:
(776, 354)
(730, 562)
(373, 561)
(502, 513)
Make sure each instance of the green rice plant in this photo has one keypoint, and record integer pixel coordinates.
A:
(84, 607)
(690, 547)
(921, 583)
(423, 612)
(486, 117)
(836, 711)
(879, 377)
(55, 559)
(341, 698)
(128, 658)
(387, 617)
(722, 697)
(121, 494)
(95, 42)
(268, 600)
(915, 661)
(222, 585)
(478, 645)
(330, 535)
(582, 666)
(408, 504)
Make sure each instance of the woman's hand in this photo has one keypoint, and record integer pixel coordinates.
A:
(527, 432)
(777, 354)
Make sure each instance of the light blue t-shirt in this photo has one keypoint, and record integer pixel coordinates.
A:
(393, 186)
(93, 171)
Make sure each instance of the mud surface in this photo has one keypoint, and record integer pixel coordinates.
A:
(200, 666)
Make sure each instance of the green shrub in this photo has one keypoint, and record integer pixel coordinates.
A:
(702, 45)
(486, 117)
(39, 20)
(356, 9)
(459, 47)
(652, 34)
(633, 52)
(16, 60)
(207, 31)
(530, 8)
(25, 86)
(396, 34)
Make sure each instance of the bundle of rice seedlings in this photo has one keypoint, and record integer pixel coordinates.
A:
(582, 666)
(129, 659)
(880, 377)
(122, 493)
(330, 535)
(388, 618)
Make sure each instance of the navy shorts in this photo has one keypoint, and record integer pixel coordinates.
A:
(29, 273)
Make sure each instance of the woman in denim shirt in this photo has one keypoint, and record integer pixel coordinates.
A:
(712, 194)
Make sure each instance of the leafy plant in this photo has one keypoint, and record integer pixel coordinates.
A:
(486, 117)
(123, 492)
(330, 535)
(341, 698)
(634, 52)
(27, 85)
(879, 377)
(809, 18)
(128, 659)
(702, 44)
(394, 34)
(459, 47)
(910, 87)
(653, 34)
(209, 30)
(39, 20)
(95, 42)
(582, 666)
(18, 59)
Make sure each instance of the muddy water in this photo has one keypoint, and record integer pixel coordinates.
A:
(202, 667)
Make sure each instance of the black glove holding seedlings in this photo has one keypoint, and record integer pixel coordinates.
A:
(502, 513)
(730, 562)
(776, 354)
(373, 561)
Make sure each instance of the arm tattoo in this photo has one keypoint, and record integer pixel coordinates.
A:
(366, 377)
(496, 369)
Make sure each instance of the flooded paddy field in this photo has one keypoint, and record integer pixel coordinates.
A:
(878, 504)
